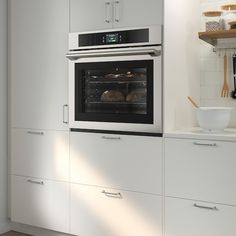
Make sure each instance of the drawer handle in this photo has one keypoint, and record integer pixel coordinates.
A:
(205, 144)
(205, 207)
(109, 194)
(111, 138)
(35, 132)
(35, 182)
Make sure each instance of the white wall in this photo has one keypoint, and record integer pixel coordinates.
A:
(181, 62)
(3, 116)
(212, 65)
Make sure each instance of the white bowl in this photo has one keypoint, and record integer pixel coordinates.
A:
(213, 119)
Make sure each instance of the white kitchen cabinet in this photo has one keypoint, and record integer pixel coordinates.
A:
(200, 169)
(89, 15)
(111, 212)
(38, 42)
(40, 203)
(117, 161)
(186, 217)
(133, 13)
(39, 153)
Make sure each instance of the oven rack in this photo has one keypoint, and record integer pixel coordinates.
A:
(118, 103)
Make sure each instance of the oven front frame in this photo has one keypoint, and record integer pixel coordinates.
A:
(155, 128)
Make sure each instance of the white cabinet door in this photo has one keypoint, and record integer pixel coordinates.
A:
(40, 203)
(86, 15)
(133, 13)
(182, 218)
(119, 161)
(38, 32)
(92, 15)
(200, 169)
(42, 154)
(120, 213)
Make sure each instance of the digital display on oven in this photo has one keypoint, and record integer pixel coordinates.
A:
(112, 38)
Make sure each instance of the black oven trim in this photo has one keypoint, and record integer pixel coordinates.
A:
(114, 118)
(97, 131)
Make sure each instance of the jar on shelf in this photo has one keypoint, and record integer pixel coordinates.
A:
(232, 24)
(213, 21)
(229, 15)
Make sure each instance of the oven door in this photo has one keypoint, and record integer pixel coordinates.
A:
(117, 92)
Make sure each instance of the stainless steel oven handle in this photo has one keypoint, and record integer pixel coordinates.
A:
(104, 53)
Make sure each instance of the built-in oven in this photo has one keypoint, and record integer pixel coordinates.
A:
(115, 81)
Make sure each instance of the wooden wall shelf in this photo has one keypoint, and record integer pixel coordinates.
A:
(222, 38)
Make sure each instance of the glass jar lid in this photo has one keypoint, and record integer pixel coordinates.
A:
(229, 7)
(212, 13)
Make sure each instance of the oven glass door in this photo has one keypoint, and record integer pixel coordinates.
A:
(114, 91)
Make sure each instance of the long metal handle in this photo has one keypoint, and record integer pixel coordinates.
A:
(109, 194)
(108, 12)
(113, 52)
(117, 11)
(35, 132)
(205, 207)
(35, 182)
(111, 138)
(205, 144)
(65, 114)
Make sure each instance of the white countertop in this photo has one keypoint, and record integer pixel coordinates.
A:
(197, 133)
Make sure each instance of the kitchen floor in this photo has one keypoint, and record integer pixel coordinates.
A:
(14, 233)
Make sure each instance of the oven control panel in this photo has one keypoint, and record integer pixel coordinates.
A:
(114, 37)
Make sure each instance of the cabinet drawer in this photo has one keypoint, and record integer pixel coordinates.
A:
(42, 154)
(200, 169)
(40, 203)
(183, 218)
(126, 162)
(110, 212)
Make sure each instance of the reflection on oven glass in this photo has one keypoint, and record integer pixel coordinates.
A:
(119, 91)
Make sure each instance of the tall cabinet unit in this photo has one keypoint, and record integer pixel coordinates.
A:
(107, 14)
(39, 134)
(78, 183)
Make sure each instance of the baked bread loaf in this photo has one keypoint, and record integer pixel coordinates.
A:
(136, 96)
(112, 96)
(111, 76)
(127, 76)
